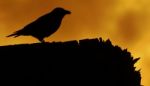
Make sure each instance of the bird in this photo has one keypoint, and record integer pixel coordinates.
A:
(43, 26)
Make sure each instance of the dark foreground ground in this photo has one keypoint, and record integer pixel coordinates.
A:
(92, 62)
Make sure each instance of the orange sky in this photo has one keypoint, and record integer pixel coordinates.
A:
(124, 22)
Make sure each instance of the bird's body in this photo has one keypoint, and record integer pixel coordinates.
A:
(43, 26)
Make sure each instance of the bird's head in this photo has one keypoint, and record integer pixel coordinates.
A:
(61, 11)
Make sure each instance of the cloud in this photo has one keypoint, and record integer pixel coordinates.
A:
(129, 25)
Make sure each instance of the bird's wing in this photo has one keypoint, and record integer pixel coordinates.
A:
(37, 23)
(32, 27)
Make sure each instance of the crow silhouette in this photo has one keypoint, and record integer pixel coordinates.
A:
(44, 26)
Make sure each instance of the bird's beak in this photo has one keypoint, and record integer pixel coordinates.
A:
(68, 12)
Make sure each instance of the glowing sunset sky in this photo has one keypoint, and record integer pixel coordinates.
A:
(125, 22)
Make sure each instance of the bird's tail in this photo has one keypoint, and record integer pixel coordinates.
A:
(13, 35)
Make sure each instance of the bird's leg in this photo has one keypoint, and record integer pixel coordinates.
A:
(41, 40)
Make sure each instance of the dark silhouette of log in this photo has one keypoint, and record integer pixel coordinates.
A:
(92, 62)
